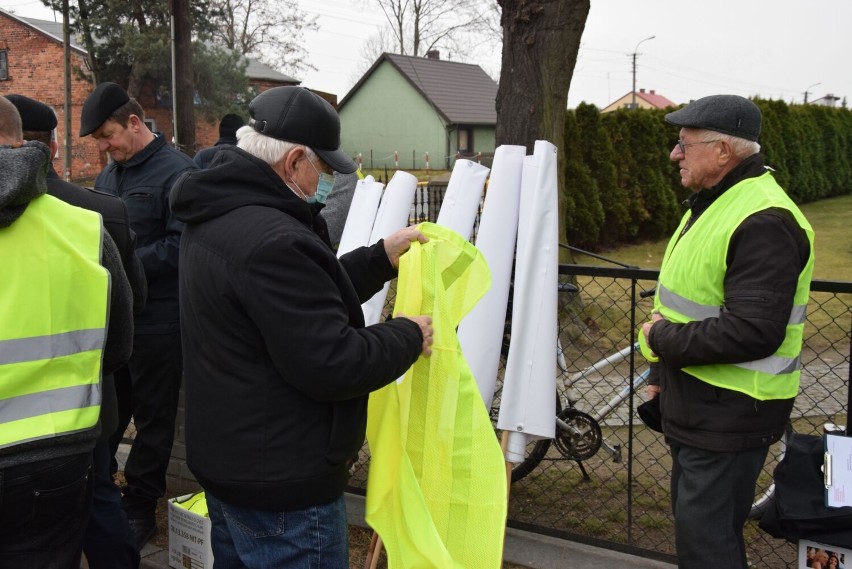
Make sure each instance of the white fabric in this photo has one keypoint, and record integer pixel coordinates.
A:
(463, 197)
(392, 216)
(529, 386)
(362, 215)
(481, 331)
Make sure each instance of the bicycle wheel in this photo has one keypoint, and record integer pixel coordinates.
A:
(536, 450)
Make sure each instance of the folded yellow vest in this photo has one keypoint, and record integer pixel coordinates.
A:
(436, 492)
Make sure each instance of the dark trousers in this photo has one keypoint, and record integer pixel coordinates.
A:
(712, 494)
(109, 543)
(148, 388)
(43, 512)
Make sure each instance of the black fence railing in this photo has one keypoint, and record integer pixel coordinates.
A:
(616, 495)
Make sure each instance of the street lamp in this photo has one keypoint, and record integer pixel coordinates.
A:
(808, 91)
(635, 49)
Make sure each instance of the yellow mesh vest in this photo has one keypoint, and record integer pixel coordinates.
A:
(53, 313)
(436, 492)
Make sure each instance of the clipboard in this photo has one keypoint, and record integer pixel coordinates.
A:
(837, 470)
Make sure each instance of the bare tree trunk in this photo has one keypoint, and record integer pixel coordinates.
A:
(184, 85)
(541, 39)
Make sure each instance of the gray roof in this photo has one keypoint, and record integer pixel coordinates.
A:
(462, 93)
(50, 29)
(258, 70)
(255, 69)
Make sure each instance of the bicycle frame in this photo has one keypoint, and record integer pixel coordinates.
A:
(602, 413)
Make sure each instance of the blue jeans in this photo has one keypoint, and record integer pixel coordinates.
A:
(43, 511)
(314, 538)
(712, 493)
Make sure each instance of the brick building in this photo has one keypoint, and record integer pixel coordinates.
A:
(32, 64)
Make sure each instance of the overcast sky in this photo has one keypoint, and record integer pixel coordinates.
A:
(772, 48)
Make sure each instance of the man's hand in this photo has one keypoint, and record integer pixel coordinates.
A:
(398, 243)
(646, 327)
(425, 323)
(651, 391)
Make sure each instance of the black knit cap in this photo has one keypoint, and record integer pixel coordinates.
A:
(35, 115)
(728, 114)
(295, 114)
(230, 124)
(99, 106)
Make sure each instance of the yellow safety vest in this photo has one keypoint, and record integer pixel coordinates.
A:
(436, 492)
(691, 287)
(54, 300)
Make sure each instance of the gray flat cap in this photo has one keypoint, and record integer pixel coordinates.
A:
(728, 114)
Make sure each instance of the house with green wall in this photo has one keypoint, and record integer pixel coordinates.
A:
(407, 108)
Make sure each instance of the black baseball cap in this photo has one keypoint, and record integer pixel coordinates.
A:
(294, 114)
(35, 115)
(728, 114)
(100, 105)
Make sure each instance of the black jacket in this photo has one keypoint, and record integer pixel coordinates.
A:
(144, 183)
(766, 254)
(205, 156)
(114, 215)
(115, 218)
(277, 360)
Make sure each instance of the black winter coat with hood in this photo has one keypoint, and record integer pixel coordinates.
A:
(278, 363)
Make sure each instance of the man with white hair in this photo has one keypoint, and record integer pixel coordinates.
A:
(278, 362)
(727, 326)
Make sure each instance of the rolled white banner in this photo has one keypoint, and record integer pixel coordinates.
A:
(362, 215)
(481, 331)
(463, 197)
(529, 386)
(392, 216)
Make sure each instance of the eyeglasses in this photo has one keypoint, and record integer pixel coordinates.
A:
(682, 145)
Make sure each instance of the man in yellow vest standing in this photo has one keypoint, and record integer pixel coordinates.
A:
(727, 326)
(65, 319)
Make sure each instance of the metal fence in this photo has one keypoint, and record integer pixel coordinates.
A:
(618, 497)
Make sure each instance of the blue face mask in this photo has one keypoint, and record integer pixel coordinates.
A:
(324, 186)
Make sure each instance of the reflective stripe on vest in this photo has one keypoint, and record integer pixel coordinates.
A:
(53, 313)
(691, 287)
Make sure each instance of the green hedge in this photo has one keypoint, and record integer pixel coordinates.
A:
(620, 185)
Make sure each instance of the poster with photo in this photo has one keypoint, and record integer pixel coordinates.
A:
(813, 555)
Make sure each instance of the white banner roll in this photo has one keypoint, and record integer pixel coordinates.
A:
(481, 331)
(362, 215)
(463, 197)
(392, 216)
(529, 386)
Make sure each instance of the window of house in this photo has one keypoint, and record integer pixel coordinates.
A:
(4, 65)
(151, 124)
(465, 140)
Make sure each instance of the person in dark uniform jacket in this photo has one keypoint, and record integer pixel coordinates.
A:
(109, 542)
(141, 173)
(228, 127)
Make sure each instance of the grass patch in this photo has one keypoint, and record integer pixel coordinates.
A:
(832, 242)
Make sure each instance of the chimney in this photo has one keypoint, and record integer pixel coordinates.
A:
(433, 54)
(641, 90)
(653, 91)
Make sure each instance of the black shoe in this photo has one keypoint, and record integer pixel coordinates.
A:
(143, 529)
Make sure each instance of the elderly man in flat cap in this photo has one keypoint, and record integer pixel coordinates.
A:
(142, 172)
(109, 543)
(727, 326)
(277, 358)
